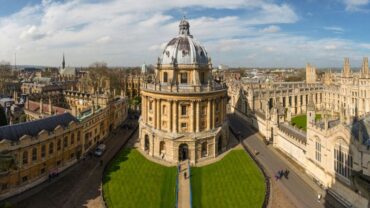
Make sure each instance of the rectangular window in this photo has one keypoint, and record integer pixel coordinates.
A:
(4, 186)
(183, 110)
(34, 154)
(202, 78)
(150, 105)
(184, 78)
(183, 125)
(73, 139)
(43, 151)
(59, 145)
(165, 77)
(65, 142)
(24, 178)
(51, 148)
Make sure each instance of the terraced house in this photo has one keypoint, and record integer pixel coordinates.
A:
(31, 151)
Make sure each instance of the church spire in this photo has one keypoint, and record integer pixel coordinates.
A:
(63, 62)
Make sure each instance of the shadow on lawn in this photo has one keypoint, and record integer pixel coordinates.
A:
(114, 165)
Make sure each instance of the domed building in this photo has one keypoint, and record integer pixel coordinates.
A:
(183, 108)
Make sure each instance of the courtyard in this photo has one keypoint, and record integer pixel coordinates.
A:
(133, 181)
(301, 121)
(235, 181)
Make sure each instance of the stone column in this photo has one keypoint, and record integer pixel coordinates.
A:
(197, 118)
(155, 121)
(209, 116)
(192, 116)
(175, 120)
(159, 113)
(170, 124)
(213, 114)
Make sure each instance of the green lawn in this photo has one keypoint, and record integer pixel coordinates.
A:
(235, 181)
(133, 181)
(301, 121)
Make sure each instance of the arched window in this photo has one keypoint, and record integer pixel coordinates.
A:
(342, 159)
(318, 150)
(34, 154)
(25, 157)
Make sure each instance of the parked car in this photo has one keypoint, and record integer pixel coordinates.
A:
(100, 150)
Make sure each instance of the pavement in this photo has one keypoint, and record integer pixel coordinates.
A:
(294, 190)
(184, 186)
(78, 186)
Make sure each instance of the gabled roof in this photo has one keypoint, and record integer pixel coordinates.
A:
(32, 128)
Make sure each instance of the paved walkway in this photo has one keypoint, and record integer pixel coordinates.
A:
(184, 186)
(79, 186)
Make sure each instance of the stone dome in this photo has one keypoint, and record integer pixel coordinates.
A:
(184, 49)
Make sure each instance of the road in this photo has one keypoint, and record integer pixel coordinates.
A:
(297, 190)
(79, 186)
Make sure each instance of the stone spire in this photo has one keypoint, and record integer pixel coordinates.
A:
(365, 68)
(346, 68)
(63, 62)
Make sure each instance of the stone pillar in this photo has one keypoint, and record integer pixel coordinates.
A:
(176, 114)
(209, 115)
(197, 118)
(213, 114)
(192, 116)
(151, 152)
(155, 120)
(159, 113)
(170, 124)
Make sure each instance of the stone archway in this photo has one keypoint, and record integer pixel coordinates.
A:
(146, 143)
(183, 152)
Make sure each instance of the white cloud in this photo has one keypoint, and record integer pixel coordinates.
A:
(135, 31)
(355, 5)
(334, 29)
(271, 29)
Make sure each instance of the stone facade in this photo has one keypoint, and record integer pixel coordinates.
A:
(183, 109)
(31, 151)
(334, 150)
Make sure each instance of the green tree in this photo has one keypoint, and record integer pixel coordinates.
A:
(3, 121)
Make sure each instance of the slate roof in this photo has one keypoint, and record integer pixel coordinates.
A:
(32, 128)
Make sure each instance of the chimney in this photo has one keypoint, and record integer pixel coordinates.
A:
(41, 105)
(50, 107)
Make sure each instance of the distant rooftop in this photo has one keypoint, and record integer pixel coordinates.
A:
(32, 128)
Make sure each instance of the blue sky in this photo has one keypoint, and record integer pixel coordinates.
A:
(255, 33)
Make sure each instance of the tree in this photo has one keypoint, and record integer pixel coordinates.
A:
(3, 120)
